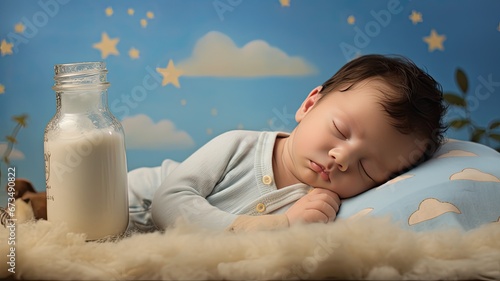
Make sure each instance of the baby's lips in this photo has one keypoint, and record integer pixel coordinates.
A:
(320, 170)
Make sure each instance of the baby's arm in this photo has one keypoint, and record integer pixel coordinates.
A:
(319, 205)
(183, 193)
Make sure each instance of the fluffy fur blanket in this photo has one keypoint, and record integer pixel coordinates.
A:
(363, 248)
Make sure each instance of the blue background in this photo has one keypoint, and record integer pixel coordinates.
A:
(186, 112)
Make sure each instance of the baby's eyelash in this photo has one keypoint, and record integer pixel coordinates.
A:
(363, 168)
(339, 131)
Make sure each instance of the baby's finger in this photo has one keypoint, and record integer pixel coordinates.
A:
(325, 191)
(329, 197)
(322, 210)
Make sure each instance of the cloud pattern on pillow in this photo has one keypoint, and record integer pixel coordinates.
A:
(458, 187)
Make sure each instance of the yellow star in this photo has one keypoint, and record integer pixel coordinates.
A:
(6, 48)
(2, 89)
(170, 74)
(107, 46)
(133, 53)
(214, 112)
(19, 28)
(131, 12)
(351, 20)
(109, 11)
(435, 41)
(150, 15)
(144, 23)
(285, 3)
(415, 17)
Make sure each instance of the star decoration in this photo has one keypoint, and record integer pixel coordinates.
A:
(133, 53)
(170, 74)
(144, 23)
(351, 20)
(150, 15)
(214, 112)
(2, 89)
(415, 17)
(130, 12)
(19, 28)
(6, 48)
(435, 41)
(285, 3)
(109, 11)
(107, 46)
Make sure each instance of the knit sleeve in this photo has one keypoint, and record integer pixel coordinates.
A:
(182, 194)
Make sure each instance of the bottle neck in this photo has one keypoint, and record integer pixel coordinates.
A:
(81, 87)
(84, 102)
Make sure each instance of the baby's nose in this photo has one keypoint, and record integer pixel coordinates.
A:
(341, 159)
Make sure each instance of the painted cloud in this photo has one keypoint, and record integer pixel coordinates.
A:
(394, 180)
(475, 175)
(142, 133)
(456, 153)
(361, 213)
(431, 208)
(215, 54)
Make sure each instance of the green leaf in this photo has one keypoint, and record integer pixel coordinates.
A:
(494, 125)
(495, 136)
(477, 134)
(454, 99)
(459, 123)
(462, 80)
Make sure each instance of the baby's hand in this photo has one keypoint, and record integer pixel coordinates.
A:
(319, 205)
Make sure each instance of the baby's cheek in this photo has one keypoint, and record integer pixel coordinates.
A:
(351, 190)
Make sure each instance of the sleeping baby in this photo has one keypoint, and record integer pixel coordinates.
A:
(377, 117)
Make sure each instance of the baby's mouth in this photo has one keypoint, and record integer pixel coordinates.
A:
(320, 170)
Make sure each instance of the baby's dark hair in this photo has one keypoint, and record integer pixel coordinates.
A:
(414, 103)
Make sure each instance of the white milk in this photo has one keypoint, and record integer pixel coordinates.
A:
(86, 177)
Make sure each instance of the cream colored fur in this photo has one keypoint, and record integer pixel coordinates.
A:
(363, 248)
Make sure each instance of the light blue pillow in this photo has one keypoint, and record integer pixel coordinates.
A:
(458, 187)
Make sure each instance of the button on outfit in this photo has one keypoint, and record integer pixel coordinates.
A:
(261, 207)
(267, 180)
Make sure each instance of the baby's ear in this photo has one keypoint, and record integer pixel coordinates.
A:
(308, 103)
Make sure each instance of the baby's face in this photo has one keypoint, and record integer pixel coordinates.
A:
(345, 142)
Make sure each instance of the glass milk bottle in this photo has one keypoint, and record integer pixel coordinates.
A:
(84, 151)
